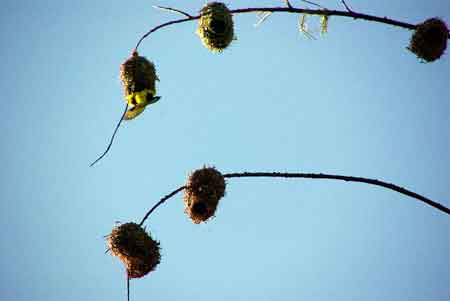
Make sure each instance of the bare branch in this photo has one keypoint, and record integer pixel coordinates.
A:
(375, 182)
(290, 9)
(346, 6)
(313, 3)
(112, 137)
(164, 25)
(165, 198)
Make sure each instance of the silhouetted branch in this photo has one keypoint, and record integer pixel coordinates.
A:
(375, 182)
(290, 9)
(346, 6)
(112, 137)
(343, 178)
(313, 3)
(161, 202)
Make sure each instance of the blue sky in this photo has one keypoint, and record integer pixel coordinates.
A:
(353, 102)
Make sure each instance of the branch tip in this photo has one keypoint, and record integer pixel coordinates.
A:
(313, 3)
(112, 137)
(174, 10)
(288, 4)
(346, 6)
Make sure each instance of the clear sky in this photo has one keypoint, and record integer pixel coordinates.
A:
(353, 102)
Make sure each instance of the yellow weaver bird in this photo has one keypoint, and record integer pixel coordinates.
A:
(137, 102)
(138, 77)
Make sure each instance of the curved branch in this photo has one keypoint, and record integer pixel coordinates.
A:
(161, 202)
(290, 9)
(112, 137)
(375, 182)
(164, 25)
(346, 6)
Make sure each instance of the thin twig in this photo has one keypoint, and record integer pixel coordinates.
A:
(164, 25)
(313, 3)
(112, 137)
(128, 287)
(346, 6)
(288, 4)
(161, 202)
(375, 182)
(321, 12)
(172, 10)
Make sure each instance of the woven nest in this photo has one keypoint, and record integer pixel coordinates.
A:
(138, 251)
(429, 41)
(138, 77)
(215, 26)
(204, 188)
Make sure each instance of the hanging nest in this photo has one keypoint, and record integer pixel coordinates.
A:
(429, 41)
(138, 77)
(215, 27)
(138, 251)
(204, 188)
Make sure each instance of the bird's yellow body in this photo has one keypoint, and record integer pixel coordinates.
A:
(138, 101)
